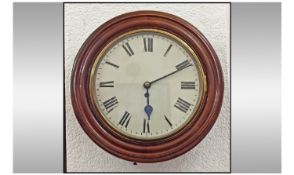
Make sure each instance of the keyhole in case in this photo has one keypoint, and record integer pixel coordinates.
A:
(135, 163)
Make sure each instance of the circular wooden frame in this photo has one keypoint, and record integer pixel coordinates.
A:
(154, 150)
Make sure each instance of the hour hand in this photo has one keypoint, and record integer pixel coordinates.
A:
(148, 108)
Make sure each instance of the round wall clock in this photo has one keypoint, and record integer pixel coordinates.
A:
(147, 86)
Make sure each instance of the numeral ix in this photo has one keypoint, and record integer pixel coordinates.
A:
(107, 84)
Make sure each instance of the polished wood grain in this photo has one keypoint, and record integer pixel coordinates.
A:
(134, 150)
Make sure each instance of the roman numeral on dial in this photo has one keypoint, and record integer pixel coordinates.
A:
(167, 120)
(110, 104)
(107, 84)
(183, 65)
(167, 50)
(111, 64)
(146, 127)
(187, 85)
(182, 105)
(125, 120)
(128, 49)
(148, 44)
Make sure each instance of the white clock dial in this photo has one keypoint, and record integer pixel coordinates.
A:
(147, 84)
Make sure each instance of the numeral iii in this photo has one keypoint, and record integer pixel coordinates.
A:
(187, 85)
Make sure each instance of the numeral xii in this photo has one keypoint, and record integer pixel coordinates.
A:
(148, 44)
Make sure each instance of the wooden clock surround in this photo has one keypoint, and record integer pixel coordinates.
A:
(139, 150)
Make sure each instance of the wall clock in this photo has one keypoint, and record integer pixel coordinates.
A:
(147, 86)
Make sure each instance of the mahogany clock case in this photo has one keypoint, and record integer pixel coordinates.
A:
(155, 150)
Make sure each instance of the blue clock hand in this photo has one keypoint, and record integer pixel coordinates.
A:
(148, 108)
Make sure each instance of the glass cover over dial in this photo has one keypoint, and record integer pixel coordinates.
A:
(147, 84)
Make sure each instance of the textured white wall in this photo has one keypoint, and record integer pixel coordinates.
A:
(213, 153)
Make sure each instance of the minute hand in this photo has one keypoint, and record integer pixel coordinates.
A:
(169, 74)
